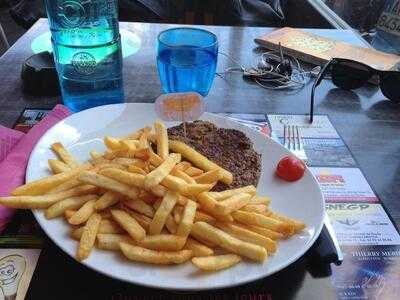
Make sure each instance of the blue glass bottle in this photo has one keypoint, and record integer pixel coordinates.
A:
(87, 51)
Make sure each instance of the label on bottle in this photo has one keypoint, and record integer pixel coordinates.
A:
(84, 63)
(74, 14)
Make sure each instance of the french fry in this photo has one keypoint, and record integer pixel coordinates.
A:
(198, 248)
(224, 240)
(174, 183)
(134, 135)
(199, 160)
(138, 163)
(147, 197)
(203, 217)
(183, 175)
(108, 199)
(231, 204)
(129, 146)
(262, 221)
(68, 213)
(219, 196)
(106, 227)
(193, 171)
(83, 214)
(110, 241)
(129, 224)
(43, 185)
(216, 263)
(109, 155)
(154, 257)
(142, 153)
(88, 237)
(273, 235)
(163, 242)
(125, 177)
(109, 184)
(109, 226)
(194, 189)
(157, 175)
(57, 166)
(162, 139)
(264, 200)
(177, 213)
(171, 225)
(69, 184)
(187, 218)
(112, 143)
(182, 200)
(249, 236)
(163, 211)
(297, 225)
(107, 165)
(32, 202)
(182, 166)
(140, 206)
(136, 170)
(144, 221)
(208, 204)
(95, 155)
(124, 161)
(57, 209)
(257, 208)
(154, 159)
(159, 190)
(64, 155)
(209, 177)
(143, 140)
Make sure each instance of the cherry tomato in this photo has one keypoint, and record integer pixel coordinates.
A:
(290, 168)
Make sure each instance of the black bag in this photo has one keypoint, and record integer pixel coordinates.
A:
(223, 12)
(257, 12)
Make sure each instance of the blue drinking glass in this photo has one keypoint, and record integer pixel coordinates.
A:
(186, 60)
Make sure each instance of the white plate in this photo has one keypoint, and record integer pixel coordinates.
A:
(83, 132)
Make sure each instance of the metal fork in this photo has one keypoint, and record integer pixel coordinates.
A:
(293, 141)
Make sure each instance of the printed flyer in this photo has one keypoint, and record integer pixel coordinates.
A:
(320, 128)
(328, 153)
(362, 224)
(344, 185)
(369, 273)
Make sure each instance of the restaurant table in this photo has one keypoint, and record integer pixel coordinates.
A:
(369, 125)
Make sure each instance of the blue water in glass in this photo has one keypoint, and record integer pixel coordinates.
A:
(186, 70)
(87, 51)
(187, 60)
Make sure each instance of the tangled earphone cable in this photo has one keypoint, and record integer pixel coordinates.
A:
(269, 76)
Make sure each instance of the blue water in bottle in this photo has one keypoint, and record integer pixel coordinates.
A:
(87, 51)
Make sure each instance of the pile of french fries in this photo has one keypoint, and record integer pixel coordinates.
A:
(149, 197)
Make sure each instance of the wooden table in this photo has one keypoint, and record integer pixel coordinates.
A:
(369, 124)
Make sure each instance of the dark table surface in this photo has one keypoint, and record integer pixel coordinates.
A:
(369, 124)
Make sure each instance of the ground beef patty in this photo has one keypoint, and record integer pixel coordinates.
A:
(229, 148)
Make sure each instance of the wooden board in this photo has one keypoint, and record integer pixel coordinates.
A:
(319, 50)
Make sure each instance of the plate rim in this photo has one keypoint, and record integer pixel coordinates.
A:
(169, 288)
